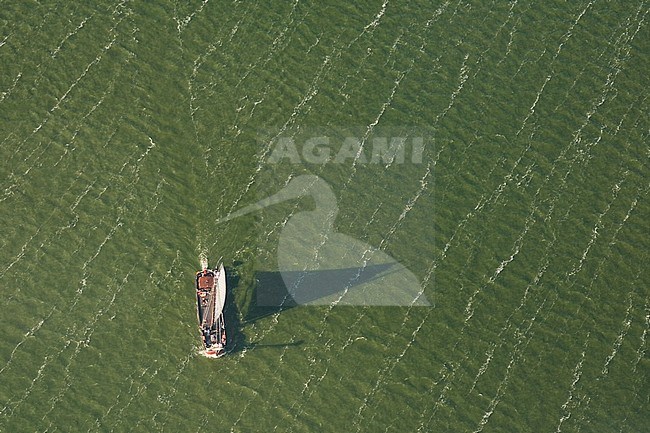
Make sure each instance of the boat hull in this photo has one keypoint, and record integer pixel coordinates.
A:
(210, 299)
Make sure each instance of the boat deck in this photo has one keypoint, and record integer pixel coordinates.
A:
(209, 308)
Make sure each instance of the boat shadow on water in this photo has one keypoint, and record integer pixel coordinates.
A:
(269, 296)
(234, 325)
(315, 288)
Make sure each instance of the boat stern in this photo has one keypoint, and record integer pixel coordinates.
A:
(215, 351)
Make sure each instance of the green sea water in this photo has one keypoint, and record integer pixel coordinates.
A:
(129, 129)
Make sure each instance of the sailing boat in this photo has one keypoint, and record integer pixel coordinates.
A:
(210, 300)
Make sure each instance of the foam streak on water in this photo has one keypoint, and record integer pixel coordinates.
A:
(569, 403)
(84, 340)
(34, 329)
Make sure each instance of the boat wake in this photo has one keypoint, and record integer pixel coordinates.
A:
(203, 259)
